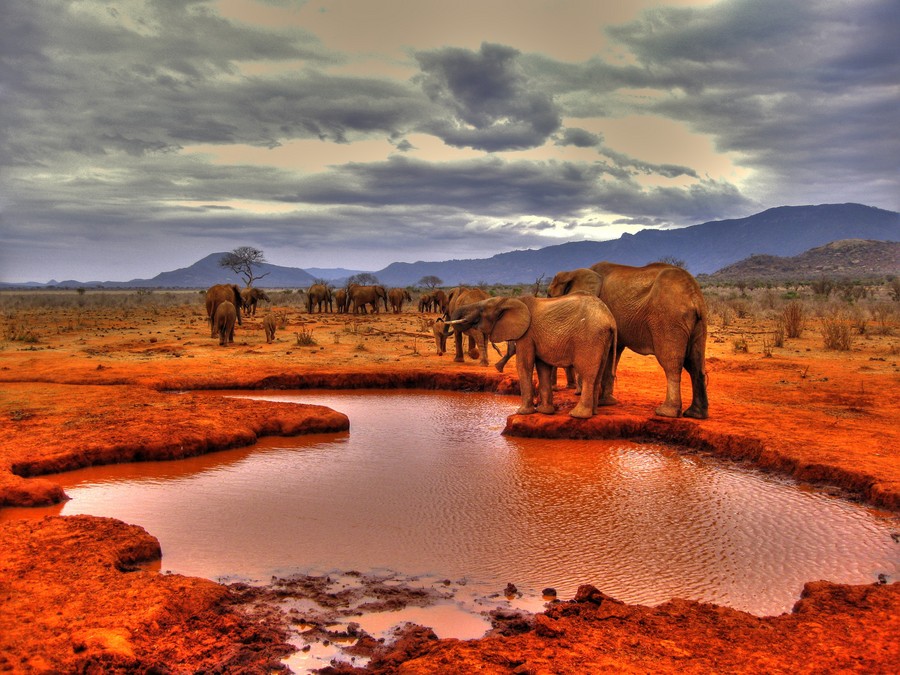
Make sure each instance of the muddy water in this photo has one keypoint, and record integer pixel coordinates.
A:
(425, 484)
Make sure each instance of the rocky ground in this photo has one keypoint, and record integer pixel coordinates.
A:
(90, 384)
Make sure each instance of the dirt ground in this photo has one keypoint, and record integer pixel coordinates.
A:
(91, 384)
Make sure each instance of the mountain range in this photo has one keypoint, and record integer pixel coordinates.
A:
(783, 231)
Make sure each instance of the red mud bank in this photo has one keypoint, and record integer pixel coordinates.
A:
(75, 601)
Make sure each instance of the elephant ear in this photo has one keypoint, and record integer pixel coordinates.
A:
(510, 319)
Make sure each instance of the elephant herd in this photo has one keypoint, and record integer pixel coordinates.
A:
(591, 315)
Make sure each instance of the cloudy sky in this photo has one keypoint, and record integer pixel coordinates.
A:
(137, 136)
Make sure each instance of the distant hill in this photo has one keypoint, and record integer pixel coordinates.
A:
(207, 272)
(784, 231)
(844, 259)
(705, 248)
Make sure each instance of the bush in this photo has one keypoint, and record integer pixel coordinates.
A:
(793, 319)
(836, 331)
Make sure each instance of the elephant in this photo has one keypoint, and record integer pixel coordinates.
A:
(218, 294)
(397, 296)
(360, 296)
(223, 322)
(249, 298)
(659, 310)
(441, 301)
(318, 296)
(270, 323)
(576, 330)
(426, 302)
(341, 300)
(458, 297)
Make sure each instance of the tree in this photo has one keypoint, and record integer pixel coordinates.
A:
(431, 282)
(363, 279)
(672, 260)
(242, 260)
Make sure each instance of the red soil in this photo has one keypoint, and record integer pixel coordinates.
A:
(95, 389)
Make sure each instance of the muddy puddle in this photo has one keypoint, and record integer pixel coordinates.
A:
(425, 503)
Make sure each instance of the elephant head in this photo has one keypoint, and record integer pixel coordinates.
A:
(500, 319)
(572, 281)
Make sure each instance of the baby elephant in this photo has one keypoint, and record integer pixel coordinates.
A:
(574, 330)
(223, 322)
(269, 325)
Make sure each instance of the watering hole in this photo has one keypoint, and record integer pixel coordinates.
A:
(425, 490)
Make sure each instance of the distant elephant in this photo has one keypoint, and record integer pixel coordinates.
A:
(223, 321)
(576, 330)
(361, 296)
(218, 294)
(397, 296)
(318, 296)
(477, 343)
(660, 310)
(441, 301)
(341, 300)
(270, 323)
(426, 302)
(249, 297)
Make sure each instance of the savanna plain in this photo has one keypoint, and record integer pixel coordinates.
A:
(802, 384)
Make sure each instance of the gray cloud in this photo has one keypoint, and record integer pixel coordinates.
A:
(97, 106)
(487, 98)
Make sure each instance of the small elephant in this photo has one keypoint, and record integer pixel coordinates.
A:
(226, 315)
(458, 297)
(270, 323)
(249, 297)
(426, 302)
(341, 300)
(659, 310)
(576, 330)
(397, 296)
(218, 294)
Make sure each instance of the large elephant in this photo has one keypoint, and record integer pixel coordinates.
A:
(456, 298)
(659, 310)
(249, 297)
(341, 300)
(218, 294)
(223, 322)
(361, 296)
(397, 296)
(576, 330)
(318, 296)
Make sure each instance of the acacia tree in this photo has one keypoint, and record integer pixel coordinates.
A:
(243, 260)
(431, 282)
(363, 279)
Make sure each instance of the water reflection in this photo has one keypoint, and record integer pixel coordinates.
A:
(424, 483)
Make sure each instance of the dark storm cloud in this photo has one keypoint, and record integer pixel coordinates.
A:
(489, 102)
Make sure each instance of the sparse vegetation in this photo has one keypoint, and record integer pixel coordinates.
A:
(836, 331)
(305, 338)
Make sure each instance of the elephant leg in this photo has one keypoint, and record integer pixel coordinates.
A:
(525, 370)
(671, 407)
(458, 342)
(482, 344)
(699, 408)
(473, 349)
(545, 387)
(572, 380)
(609, 378)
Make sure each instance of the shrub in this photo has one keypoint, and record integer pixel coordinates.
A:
(836, 331)
(793, 319)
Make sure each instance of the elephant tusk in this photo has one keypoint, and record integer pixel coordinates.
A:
(455, 322)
